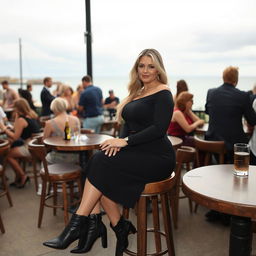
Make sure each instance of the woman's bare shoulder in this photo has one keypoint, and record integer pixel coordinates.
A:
(162, 87)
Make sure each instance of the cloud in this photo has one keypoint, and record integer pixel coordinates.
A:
(193, 36)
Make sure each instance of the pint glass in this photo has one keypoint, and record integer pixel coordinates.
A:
(241, 159)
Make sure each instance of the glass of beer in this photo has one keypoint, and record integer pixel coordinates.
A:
(241, 159)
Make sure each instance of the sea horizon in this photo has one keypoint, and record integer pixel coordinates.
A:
(198, 85)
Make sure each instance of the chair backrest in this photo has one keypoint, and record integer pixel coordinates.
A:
(4, 149)
(43, 119)
(38, 151)
(86, 131)
(184, 155)
(209, 148)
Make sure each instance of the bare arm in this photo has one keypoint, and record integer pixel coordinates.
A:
(181, 120)
(193, 116)
(19, 125)
(47, 130)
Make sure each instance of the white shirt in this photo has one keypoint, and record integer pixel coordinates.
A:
(2, 114)
(252, 141)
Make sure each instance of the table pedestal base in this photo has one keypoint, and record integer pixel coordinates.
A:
(240, 243)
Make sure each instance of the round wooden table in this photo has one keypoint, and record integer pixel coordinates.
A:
(176, 141)
(202, 130)
(86, 142)
(85, 145)
(217, 188)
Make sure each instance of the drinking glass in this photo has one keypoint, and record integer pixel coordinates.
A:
(241, 159)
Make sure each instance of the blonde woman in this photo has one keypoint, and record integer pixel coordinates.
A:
(55, 127)
(67, 95)
(143, 154)
(24, 125)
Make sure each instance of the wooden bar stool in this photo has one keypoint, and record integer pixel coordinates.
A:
(207, 148)
(151, 192)
(184, 155)
(4, 149)
(55, 175)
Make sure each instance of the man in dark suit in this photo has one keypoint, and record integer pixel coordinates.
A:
(226, 106)
(46, 97)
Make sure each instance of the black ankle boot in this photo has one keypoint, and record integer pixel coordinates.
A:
(122, 229)
(91, 230)
(69, 234)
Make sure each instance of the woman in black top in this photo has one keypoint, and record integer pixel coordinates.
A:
(24, 125)
(143, 154)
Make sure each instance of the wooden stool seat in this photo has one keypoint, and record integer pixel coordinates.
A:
(55, 175)
(152, 192)
(63, 171)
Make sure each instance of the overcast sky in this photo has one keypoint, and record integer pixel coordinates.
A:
(195, 37)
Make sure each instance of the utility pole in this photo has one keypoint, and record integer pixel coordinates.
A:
(88, 37)
(20, 50)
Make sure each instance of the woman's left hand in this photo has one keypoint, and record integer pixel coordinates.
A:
(112, 146)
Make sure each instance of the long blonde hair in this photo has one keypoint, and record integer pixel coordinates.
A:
(23, 108)
(135, 85)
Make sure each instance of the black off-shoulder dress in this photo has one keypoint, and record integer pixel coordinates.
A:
(148, 157)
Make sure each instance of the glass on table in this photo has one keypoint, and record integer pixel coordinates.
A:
(75, 134)
(241, 159)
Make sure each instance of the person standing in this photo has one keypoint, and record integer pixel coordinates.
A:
(91, 105)
(9, 95)
(226, 107)
(46, 97)
(110, 103)
(119, 172)
(26, 94)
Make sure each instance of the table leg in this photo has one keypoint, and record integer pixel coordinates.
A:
(83, 158)
(240, 243)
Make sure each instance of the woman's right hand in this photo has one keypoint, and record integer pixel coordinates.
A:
(200, 123)
(112, 151)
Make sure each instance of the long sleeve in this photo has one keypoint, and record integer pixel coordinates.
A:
(162, 115)
(124, 131)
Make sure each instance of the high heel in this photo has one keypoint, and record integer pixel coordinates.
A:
(69, 234)
(122, 229)
(90, 231)
(23, 185)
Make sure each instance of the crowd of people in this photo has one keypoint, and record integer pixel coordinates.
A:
(118, 173)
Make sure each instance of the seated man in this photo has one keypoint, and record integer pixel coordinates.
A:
(110, 103)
